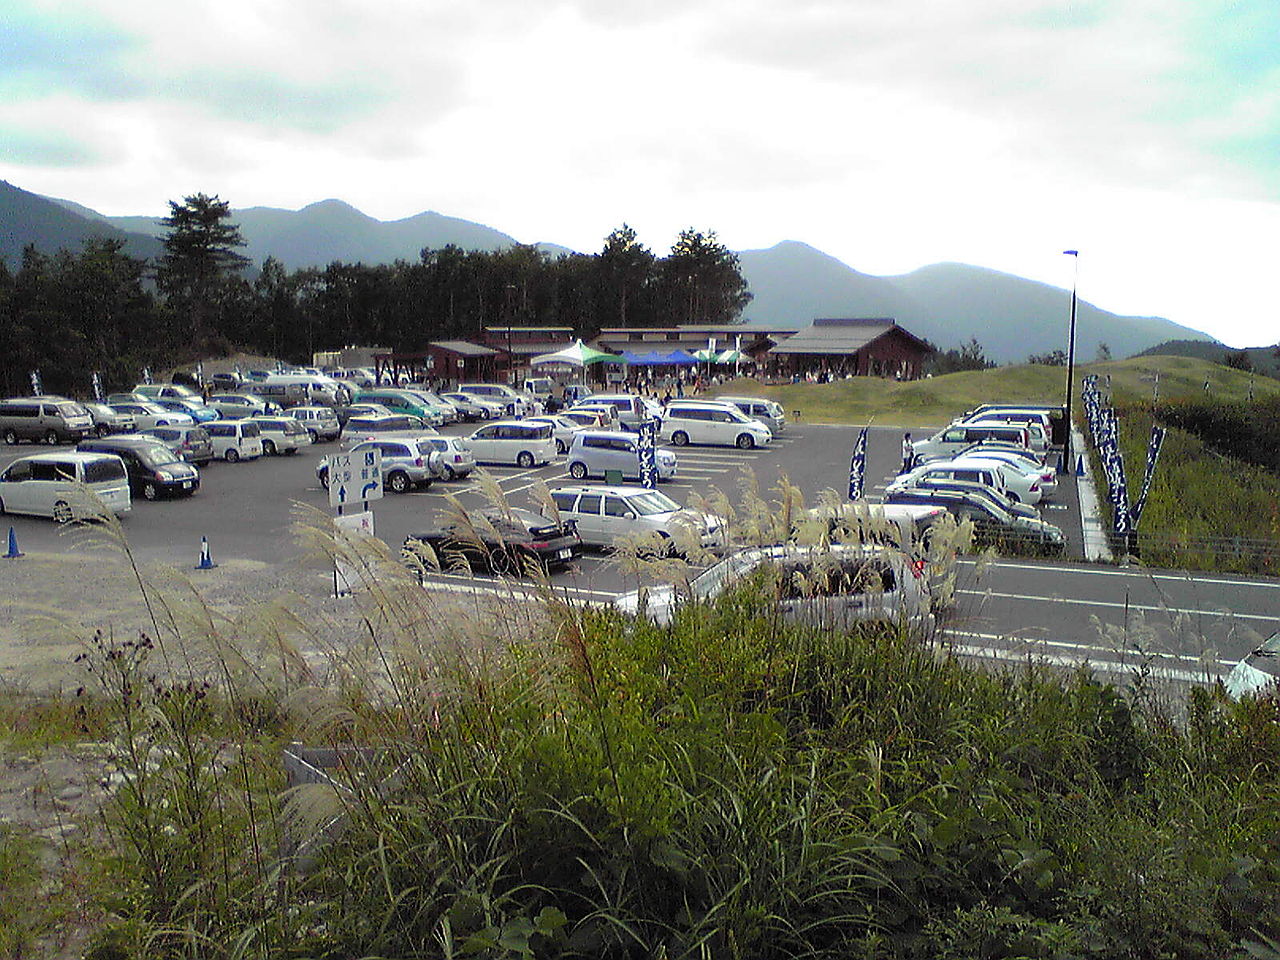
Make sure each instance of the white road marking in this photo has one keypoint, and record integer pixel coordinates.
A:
(1111, 604)
(1140, 572)
(1108, 666)
(1024, 642)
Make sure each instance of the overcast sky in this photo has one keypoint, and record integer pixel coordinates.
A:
(888, 133)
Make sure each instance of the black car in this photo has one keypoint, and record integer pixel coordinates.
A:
(993, 524)
(506, 543)
(154, 469)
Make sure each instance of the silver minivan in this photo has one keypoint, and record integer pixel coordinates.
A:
(47, 419)
(65, 486)
(235, 439)
(768, 412)
(597, 453)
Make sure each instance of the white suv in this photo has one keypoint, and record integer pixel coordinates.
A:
(709, 421)
(605, 513)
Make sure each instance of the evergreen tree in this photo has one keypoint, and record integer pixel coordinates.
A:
(200, 257)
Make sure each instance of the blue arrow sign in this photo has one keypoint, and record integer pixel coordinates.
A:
(342, 493)
(371, 485)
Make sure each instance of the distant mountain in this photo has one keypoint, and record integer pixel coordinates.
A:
(1265, 360)
(792, 283)
(28, 219)
(948, 303)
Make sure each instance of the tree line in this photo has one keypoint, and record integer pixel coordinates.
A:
(71, 313)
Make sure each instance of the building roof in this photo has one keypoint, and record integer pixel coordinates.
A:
(841, 335)
(464, 348)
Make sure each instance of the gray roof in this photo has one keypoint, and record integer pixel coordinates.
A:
(837, 335)
(464, 348)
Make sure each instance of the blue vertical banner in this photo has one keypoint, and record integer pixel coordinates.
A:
(200, 373)
(97, 386)
(1153, 454)
(146, 374)
(646, 450)
(37, 387)
(858, 466)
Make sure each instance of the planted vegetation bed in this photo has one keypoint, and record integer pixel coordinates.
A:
(724, 787)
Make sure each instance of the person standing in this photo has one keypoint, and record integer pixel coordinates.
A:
(908, 452)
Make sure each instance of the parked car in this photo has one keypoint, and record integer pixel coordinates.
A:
(107, 421)
(368, 427)
(235, 440)
(169, 391)
(233, 406)
(154, 470)
(830, 587)
(949, 440)
(712, 422)
(993, 524)
(321, 422)
(631, 410)
(605, 513)
(196, 409)
(595, 453)
(282, 436)
(407, 462)
(43, 419)
(192, 444)
(604, 418)
(1010, 481)
(514, 402)
(446, 408)
(471, 409)
(513, 441)
(457, 460)
(226, 382)
(1257, 672)
(907, 526)
(768, 412)
(506, 542)
(404, 402)
(562, 429)
(147, 414)
(65, 486)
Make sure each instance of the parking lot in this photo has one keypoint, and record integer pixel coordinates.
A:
(244, 509)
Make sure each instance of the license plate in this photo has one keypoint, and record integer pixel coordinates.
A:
(186, 484)
(564, 554)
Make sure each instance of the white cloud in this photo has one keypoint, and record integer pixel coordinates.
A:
(994, 132)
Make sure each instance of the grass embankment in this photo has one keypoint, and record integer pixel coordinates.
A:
(936, 401)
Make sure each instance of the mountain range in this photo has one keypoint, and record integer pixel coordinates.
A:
(792, 283)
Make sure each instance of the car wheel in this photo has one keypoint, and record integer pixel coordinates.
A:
(561, 449)
(62, 512)
(232, 455)
(398, 482)
(746, 441)
(10, 437)
(1, 508)
(500, 561)
(51, 437)
(524, 459)
(315, 437)
(578, 470)
(447, 473)
(291, 452)
(680, 438)
(150, 491)
(102, 430)
(324, 480)
(269, 448)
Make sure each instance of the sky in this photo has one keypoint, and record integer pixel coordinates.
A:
(891, 135)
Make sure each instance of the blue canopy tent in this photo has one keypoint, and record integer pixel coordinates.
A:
(681, 357)
(634, 359)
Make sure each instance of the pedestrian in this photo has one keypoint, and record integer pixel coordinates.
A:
(908, 452)
(680, 389)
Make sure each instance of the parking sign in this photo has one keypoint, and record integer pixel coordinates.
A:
(355, 477)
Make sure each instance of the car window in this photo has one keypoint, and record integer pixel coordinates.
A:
(953, 436)
(52, 470)
(251, 430)
(487, 433)
(564, 500)
(589, 503)
(614, 507)
(18, 471)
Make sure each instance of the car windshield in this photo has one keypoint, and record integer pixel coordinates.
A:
(71, 409)
(738, 416)
(647, 504)
(155, 455)
(712, 580)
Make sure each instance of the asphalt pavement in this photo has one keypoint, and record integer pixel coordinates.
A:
(1120, 618)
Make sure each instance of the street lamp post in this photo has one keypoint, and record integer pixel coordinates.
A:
(1071, 358)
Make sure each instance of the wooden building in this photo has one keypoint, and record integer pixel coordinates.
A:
(864, 347)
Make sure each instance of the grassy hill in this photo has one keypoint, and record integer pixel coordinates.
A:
(936, 401)
(1265, 360)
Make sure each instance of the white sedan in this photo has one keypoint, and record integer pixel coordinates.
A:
(147, 415)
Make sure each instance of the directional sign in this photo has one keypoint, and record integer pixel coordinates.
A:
(355, 477)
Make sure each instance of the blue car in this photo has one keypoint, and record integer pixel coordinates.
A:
(197, 411)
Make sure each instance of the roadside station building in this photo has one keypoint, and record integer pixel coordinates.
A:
(838, 346)
(456, 361)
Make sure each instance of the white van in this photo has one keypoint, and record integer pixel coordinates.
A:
(63, 486)
(710, 421)
(952, 439)
(514, 441)
(516, 403)
(768, 412)
(299, 388)
(235, 439)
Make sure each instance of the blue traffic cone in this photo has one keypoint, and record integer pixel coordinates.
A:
(1080, 465)
(206, 560)
(14, 553)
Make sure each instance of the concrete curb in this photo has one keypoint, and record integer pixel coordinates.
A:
(1096, 544)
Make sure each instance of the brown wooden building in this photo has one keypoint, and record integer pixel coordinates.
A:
(862, 346)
